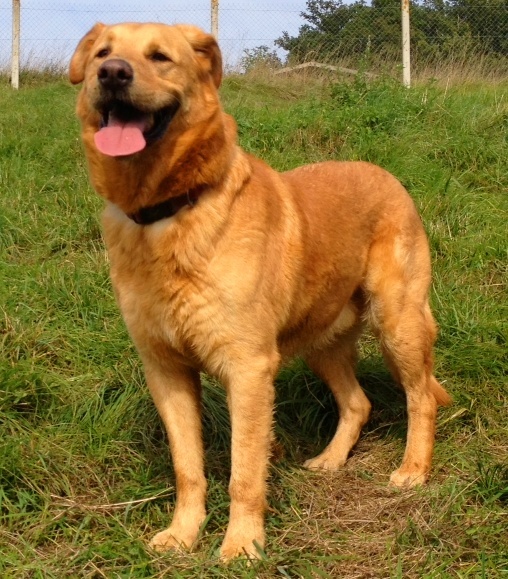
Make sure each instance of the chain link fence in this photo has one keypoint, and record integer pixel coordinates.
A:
(50, 29)
(350, 35)
(444, 34)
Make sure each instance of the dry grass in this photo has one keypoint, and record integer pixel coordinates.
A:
(464, 66)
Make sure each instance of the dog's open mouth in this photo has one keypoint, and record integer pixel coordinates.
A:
(126, 130)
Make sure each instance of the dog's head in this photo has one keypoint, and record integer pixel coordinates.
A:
(139, 80)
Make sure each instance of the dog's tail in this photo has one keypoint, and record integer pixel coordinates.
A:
(440, 394)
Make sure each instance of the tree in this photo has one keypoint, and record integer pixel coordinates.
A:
(334, 26)
(260, 57)
(335, 29)
(487, 21)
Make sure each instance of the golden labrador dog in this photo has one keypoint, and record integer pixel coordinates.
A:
(221, 264)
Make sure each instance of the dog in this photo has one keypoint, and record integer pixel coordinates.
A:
(222, 265)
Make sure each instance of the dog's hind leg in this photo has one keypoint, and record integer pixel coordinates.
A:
(335, 365)
(397, 292)
(176, 391)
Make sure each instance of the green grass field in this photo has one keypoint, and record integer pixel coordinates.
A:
(85, 475)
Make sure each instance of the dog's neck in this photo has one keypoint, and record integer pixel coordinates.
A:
(162, 183)
(168, 208)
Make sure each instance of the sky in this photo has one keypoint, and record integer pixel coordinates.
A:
(50, 29)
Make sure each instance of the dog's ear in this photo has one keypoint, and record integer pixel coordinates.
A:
(206, 49)
(80, 56)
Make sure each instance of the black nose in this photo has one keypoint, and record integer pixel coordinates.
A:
(115, 73)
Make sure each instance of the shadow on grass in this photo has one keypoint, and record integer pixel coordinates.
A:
(305, 420)
(307, 416)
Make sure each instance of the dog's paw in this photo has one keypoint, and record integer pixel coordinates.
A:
(247, 543)
(407, 478)
(172, 540)
(251, 550)
(324, 461)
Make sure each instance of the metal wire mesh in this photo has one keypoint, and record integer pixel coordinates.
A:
(278, 34)
(51, 29)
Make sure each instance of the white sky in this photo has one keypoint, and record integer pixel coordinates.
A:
(50, 29)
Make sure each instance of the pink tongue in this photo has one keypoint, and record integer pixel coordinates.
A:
(118, 139)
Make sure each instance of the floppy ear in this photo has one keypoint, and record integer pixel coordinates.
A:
(80, 56)
(206, 49)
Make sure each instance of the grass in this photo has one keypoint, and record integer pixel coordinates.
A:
(85, 476)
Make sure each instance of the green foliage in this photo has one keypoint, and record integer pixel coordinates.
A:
(260, 57)
(492, 482)
(486, 20)
(439, 29)
(85, 475)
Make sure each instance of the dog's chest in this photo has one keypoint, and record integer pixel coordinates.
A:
(160, 302)
(180, 303)
(158, 307)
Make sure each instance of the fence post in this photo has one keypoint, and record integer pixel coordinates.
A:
(406, 45)
(215, 18)
(16, 9)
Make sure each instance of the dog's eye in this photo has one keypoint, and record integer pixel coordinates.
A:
(102, 53)
(159, 57)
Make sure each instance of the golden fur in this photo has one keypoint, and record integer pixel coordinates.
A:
(265, 266)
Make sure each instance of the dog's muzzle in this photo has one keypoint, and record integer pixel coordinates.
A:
(125, 129)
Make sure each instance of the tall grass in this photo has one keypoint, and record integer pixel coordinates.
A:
(85, 476)
(462, 61)
(36, 69)
(465, 64)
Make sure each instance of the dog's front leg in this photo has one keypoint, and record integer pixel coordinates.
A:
(176, 391)
(250, 399)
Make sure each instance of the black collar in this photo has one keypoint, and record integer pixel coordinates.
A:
(168, 208)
